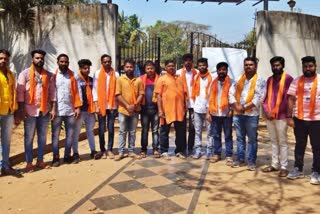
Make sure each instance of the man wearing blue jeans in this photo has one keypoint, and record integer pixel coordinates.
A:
(149, 111)
(220, 114)
(245, 96)
(104, 86)
(87, 110)
(8, 105)
(129, 93)
(67, 108)
(36, 95)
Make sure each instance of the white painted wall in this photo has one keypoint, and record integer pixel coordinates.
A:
(291, 35)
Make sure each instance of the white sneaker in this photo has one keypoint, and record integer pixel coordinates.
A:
(166, 156)
(315, 178)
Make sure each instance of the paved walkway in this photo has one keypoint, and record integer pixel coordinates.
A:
(158, 186)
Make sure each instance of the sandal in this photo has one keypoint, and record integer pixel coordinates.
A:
(156, 154)
(143, 155)
(269, 169)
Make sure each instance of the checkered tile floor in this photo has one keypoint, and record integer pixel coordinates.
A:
(148, 186)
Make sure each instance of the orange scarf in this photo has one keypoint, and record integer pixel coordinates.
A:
(133, 91)
(213, 99)
(102, 98)
(196, 84)
(144, 80)
(45, 89)
(91, 108)
(275, 110)
(74, 89)
(300, 93)
(240, 86)
(184, 79)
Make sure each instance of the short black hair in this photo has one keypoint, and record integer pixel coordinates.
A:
(308, 59)
(105, 55)
(203, 60)
(252, 59)
(84, 62)
(62, 55)
(222, 64)
(38, 51)
(277, 59)
(169, 61)
(130, 61)
(6, 52)
(148, 63)
(187, 56)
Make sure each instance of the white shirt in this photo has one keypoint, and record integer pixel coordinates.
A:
(189, 80)
(201, 101)
(95, 88)
(258, 98)
(220, 87)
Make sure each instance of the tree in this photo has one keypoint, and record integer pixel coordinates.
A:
(129, 30)
(174, 36)
(249, 42)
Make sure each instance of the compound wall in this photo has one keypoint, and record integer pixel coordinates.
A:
(80, 31)
(287, 34)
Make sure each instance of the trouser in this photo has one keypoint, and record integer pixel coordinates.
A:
(128, 126)
(146, 121)
(108, 119)
(217, 124)
(89, 121)
(31, 125)
(199, 119)
(191, 130)
(6, 124)
(246, 126)
(180, 140)
(279, 141)
(302, 130)
(69, 123)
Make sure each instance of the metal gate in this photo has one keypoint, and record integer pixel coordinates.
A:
(199, 40)
(140, 53)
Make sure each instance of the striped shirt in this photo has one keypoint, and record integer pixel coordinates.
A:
(306, 98)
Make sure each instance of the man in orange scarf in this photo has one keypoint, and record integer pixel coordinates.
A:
(200, 91)
(245, 96)
(8, 106)
(129, 93)
(149, 111)
(85, 83)
(187, 74)
(171, 100)
(275, 108)
(219, 114)
(67, 108)
(104, 86)
(36, 97)
(304, 116)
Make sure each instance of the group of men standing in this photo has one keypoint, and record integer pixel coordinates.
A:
(188, 95)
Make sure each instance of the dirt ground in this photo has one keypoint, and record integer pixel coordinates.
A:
(225, 189)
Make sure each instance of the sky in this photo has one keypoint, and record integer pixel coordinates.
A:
(229, 22)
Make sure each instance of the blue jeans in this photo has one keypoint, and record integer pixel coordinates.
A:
(31, 125)
(199, 119)
(6, 124)
(109, 118)
(246, 125)
(69, 123)
(89, 121)
(146, 120)
(128, 125)
(217, 124)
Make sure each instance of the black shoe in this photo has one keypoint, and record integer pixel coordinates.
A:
(67, 159)
(55, 161)
(92, 154)
(10, 171)
(75, 158)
